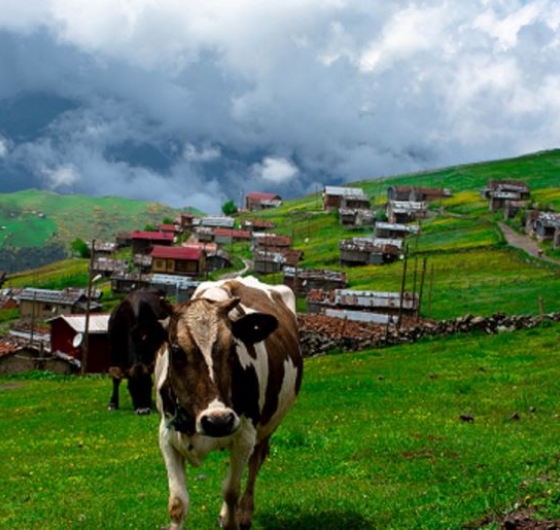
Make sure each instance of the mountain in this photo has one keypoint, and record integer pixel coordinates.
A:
(37, 227)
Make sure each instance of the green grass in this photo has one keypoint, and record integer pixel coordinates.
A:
(374, 441)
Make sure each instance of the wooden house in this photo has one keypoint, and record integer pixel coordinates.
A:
(185, 261)
(363, 306)
(302, 280)
(356, 217)
(499, 192)
(44, 303)
(257, 200)
(268, 262)
(257, 225)
(144, 241)
(108, 266)
(405, 211)
(394, 230)
(361, 251)
(123, 239)
(335, 197)
(265, 241)
(546, 225)
(226, 236)
(125, 282)
(416, 193)
(68, 337)
(185, 221)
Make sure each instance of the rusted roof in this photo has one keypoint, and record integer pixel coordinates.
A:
(49, 296)
(262, 196)
(151, 236)
(179, 253)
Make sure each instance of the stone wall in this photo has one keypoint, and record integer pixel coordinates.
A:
(320, 336)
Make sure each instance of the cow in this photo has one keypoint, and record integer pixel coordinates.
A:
(228, 373)
(135, 335)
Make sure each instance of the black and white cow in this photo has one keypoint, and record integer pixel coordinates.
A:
(231, 369)
(135, 335)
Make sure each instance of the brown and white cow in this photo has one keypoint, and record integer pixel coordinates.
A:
(230, 371)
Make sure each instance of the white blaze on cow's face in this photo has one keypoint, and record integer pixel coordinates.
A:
(200, 365)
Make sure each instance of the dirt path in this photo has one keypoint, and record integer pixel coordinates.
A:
(524, 242)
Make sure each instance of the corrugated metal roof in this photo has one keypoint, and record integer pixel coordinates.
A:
(344, 192)
(397, 227)
(98, 323)
(358, 316)
(51, 296)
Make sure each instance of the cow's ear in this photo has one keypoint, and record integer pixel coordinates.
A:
(254, 327)
(225, 306)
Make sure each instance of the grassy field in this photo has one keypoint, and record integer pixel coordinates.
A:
(374, 441)
(33, 218)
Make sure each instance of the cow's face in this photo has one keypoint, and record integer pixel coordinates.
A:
(203, 343)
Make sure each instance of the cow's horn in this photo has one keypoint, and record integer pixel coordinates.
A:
(227, 305)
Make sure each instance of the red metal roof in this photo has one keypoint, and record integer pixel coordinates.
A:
(237, 234)
(260, 196)
(181, 253)
(152, 236)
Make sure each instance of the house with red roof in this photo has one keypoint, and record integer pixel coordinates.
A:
(185, 261)
(257, 200)
(143, 240)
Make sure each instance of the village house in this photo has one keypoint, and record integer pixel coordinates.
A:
(216, 258)
(185, 221)
(186, 261)
(123, 239)
(44, 303)
(335, 197)
(416, 193)
(257, 200)
(226, 236)
(169, 228)
(372, 306)
(204, 234)
(302, 280)
(143, 241)
(220, 221)
(257, 225)
(394, 230)
(266, 241)
(499, 192)
(106, 267)
(405, 211)
(68, 337)
(181, 288)
(362, 251)
(356, 217)
(102, 248)
(545, 226)
(125, 282)
(268, 262)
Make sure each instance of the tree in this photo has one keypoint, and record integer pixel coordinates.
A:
(79, 247)
(229, 208)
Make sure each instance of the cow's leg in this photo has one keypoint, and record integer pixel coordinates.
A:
(114, 400)
(247, 506)
(231, 487)
(178, 505)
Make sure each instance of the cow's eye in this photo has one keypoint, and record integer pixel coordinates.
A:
(177, 353)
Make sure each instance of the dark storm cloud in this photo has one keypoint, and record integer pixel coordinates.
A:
(193, 104)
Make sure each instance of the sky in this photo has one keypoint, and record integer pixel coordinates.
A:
(197, 103)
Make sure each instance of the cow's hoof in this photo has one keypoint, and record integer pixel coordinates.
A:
(144, 411)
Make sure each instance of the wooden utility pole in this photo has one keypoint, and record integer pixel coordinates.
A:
(422, 279)
(403, 286)
(85, 348)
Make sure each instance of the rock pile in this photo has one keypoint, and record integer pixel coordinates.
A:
(321, 334)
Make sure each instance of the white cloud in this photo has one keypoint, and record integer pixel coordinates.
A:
(64, 176)
(286, 93)
(275, 170)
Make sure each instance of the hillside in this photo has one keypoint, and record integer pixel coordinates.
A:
(38, 226)
(470, 268)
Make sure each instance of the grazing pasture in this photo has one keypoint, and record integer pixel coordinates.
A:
(375, 440)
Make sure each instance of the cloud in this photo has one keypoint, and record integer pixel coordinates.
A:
(275, 170)
(194, 103)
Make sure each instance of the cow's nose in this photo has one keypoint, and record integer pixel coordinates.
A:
(218, 425)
